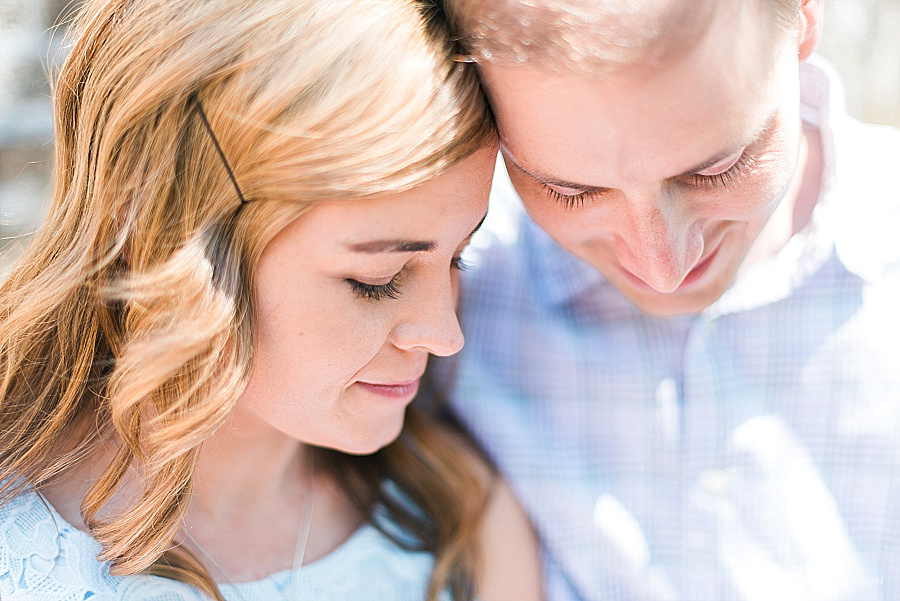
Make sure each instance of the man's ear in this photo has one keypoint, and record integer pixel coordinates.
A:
(809, 26)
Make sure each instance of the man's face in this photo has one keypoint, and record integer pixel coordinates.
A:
(662, 176)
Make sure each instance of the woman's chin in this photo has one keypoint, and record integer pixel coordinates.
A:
(370, 442)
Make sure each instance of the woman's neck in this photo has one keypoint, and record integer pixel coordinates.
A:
(253, 487)
(249, 463)
(252, 498)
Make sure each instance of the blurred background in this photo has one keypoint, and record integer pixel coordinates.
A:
(861, 38)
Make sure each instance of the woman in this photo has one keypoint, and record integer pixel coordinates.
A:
(209, 348)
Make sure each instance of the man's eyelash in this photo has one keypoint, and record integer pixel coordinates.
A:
(569, 201)
(573, 201)
(726, 177)
(376, 292)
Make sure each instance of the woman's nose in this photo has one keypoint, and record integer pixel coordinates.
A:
(430, 321)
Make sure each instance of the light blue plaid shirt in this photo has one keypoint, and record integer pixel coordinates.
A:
(749, 452)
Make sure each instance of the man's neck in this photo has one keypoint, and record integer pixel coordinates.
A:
(810, 177)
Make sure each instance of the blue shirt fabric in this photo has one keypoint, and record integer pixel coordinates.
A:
(43, 558)
(750, 452)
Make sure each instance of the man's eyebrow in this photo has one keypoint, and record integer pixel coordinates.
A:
(547, 181)
(757, 135)
(392, 246)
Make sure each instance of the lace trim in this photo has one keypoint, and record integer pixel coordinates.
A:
(43, 557)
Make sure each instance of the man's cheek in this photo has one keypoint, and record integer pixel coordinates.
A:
(774, 168)
(547, 213)
(757, 193)
(770, 187)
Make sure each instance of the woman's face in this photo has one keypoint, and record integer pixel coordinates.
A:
(351, 298)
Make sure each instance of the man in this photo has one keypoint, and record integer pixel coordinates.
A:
(686, 356)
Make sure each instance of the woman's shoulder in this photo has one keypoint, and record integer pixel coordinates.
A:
(508, 562)
(28, 540)
(42, 557)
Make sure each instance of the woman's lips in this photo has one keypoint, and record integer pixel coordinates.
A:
(399, 390)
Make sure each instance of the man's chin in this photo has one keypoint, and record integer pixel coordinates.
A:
(660, 304)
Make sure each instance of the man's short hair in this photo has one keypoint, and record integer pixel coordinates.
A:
(590, 35)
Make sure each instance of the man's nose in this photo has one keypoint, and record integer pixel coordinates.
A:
(658, 241)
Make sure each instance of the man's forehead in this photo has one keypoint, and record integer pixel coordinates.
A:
(619, 128)
(582, 34)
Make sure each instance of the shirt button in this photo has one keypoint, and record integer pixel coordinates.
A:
(714, 482)
(668, 412)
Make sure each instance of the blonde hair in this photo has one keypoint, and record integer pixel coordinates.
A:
(589, 36)
(130, 318)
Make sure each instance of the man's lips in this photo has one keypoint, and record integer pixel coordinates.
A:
(697, 272)
(692, 276)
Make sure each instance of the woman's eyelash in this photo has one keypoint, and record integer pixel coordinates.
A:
(569, 201)
(458, 263)
(726, 177)
(376, 292)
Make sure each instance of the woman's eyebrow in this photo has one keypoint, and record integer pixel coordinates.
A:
(392, 246)
(401, 246)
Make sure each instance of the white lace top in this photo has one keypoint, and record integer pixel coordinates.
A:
(44, 558)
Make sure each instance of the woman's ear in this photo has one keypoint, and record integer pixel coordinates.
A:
(810, 27)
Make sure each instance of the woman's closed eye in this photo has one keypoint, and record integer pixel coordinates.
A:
(458, 263)
(376, 292)
(392, 289)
